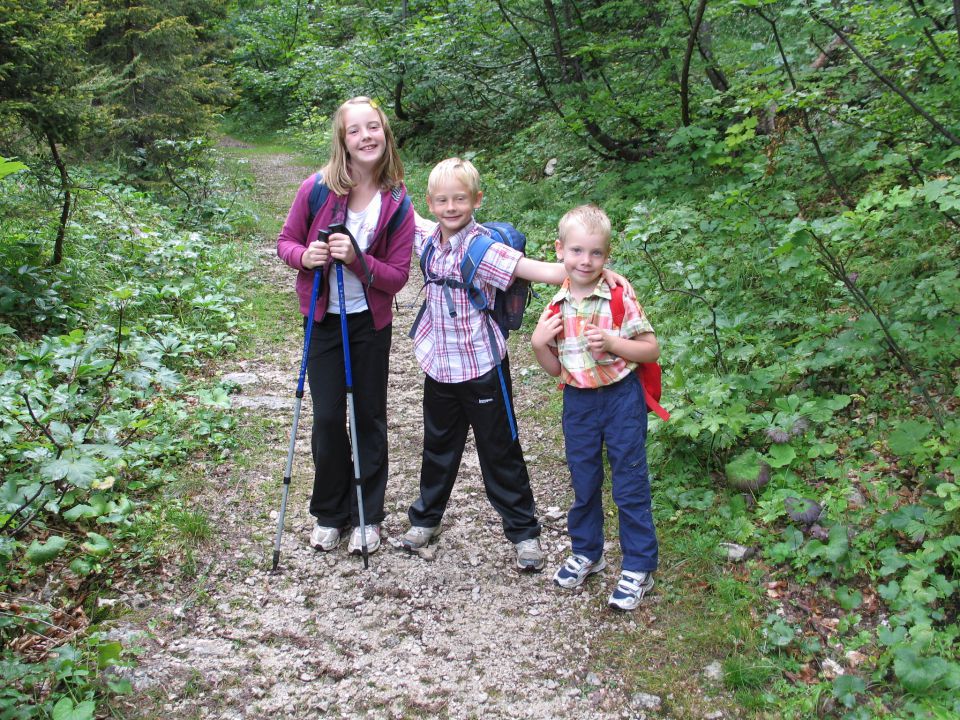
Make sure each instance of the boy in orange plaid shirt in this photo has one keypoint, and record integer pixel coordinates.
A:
(603, 404)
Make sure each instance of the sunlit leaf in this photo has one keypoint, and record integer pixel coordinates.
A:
(39, 553)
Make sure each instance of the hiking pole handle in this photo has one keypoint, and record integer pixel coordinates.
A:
(288, 469)
(340, 229)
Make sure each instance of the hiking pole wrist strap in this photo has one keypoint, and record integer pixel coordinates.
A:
(341, 227)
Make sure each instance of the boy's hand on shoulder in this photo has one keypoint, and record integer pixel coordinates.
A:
(548, 327)
(613, 278)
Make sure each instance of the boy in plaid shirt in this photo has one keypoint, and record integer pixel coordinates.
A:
(453, 343)
(603, 403)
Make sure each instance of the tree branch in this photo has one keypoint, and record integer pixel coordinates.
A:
(837, 270)
(885, 80)
(16, 513)
(43, 428)
(926, 31)
(105, 384)
(718, 357)
(837, 187)
(36, 511)
(956, 18)
(65, 212)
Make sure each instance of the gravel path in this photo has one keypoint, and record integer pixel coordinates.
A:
(455, 634)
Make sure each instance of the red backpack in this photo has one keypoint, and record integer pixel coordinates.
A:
(649, 374)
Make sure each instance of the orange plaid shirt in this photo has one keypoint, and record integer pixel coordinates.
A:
(579, 367)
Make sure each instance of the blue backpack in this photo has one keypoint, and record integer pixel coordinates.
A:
(509, 304)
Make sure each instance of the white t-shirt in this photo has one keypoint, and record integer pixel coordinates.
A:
(362, 226)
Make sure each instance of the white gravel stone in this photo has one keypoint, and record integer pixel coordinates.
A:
(714, 671)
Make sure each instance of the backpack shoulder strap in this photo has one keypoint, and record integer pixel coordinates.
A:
(469, 264)
(474, 256)
(616, 305)
(425, 258)
(398, 215)
(318, 196)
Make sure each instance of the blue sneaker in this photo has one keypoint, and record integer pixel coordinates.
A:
(574, 572)
(630, 590)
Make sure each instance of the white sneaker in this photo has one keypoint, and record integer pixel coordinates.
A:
(324, 538)
(630, 590)
(356, 542)
(574, 572)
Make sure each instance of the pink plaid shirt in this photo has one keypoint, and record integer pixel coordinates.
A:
(457, 349)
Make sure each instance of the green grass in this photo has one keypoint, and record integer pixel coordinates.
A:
(270, 143)
(266, 309)
(191, 526)
(701, 614)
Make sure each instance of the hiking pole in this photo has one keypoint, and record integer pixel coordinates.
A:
(351, 411)
(317, 278)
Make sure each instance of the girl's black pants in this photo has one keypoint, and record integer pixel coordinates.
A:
(334, 500)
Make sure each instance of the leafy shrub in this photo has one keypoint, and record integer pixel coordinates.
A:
(101, 397)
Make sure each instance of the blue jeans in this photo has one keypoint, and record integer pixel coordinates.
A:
(615, 415)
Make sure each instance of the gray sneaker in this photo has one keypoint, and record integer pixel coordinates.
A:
(418, 537)
(356, 541)
(324, 538)
(530, 557)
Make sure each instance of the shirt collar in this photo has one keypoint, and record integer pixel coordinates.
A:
(464, 234)
(602, 290)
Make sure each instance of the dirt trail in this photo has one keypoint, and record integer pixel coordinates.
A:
(459, 636)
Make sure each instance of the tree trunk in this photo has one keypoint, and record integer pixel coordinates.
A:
(956, 17)
(688, 55)
(67, 199)
(826, 53)
(398, 109)
(714, 73)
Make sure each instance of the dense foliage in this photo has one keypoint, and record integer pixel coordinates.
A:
(103, 396)
(784, 177)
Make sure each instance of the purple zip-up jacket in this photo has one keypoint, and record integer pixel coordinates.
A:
(387, 257)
